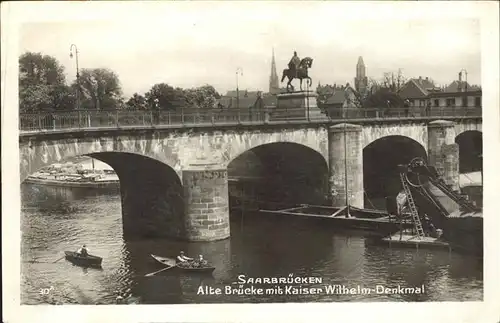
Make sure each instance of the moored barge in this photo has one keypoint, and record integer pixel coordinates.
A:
(376, 222)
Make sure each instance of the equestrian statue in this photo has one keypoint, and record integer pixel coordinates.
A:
(297, 68)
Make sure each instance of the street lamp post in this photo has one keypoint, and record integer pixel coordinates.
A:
(465, 98)
(156, 110)
(71, 48)
(239, 71)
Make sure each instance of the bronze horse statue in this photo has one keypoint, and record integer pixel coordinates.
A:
(301, 74)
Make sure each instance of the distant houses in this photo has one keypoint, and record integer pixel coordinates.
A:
(422, 92)
(417, 94)
(342, 97)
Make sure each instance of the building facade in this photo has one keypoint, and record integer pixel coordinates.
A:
(423, 93)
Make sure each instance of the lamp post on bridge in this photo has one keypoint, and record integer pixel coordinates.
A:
(75, 49)
(239, 71)
(465, 98)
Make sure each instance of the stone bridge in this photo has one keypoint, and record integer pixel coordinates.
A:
(174, 182)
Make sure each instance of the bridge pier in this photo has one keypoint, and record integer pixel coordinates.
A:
(206, 201)
(345, 154)
(443, 151)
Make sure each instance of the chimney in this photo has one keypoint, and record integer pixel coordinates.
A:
(420, 78)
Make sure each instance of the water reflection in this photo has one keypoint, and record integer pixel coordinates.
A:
(260, 246)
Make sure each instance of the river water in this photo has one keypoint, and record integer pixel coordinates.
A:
(58, 219)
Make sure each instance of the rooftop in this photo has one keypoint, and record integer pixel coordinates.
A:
(425, 85)
(461, 86)
(339, 94)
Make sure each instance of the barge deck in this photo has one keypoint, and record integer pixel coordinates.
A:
(412, 241)
(374, 221)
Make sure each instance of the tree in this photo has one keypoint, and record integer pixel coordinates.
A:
(383, 98)
(34, 97)
(99, 89)
(394, 82)
(136, 102)
(165, 97)
(203, 97)
(42, 83)
(383, 93)
(324, 92)
(35, 68)
(63, 97)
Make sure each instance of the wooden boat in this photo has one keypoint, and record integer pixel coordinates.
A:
(374, 221)
(84, 261)
(170, 262)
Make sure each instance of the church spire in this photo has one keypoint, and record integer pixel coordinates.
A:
(274, 87)
(360, 81)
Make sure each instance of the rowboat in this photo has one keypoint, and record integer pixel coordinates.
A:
(170, 262)
(84, 261)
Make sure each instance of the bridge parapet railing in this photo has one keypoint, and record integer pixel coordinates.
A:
(94, 119)
(404, 113)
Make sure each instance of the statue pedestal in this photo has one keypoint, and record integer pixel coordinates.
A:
(297, 106)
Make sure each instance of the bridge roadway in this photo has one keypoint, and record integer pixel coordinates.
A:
(173, 165)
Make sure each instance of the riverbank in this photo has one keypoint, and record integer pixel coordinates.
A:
(93, 180)
(62, 183)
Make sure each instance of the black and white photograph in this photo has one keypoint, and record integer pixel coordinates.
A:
(251, 152)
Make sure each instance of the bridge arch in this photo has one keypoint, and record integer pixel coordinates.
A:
(279, 174)
(152, 200)
(232, 144)
(467, 125)
(380, 161)
(470, 150)
(415, 131)
(36, 154)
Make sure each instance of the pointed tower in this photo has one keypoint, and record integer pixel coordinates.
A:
(274, 86)
(360, 81)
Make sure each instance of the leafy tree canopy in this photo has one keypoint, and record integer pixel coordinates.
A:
(136, 102)
(99, 88)
(42, 83)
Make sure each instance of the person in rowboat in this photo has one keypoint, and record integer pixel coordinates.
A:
(200, 262)
(83, 251)
(182, 258)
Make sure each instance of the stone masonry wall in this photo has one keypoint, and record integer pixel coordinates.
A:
(353, 147)
(206, 203)
(443, 151)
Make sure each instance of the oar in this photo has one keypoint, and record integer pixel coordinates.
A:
(159, 271)
(58, 259)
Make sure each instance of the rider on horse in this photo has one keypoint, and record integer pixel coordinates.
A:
(294, 64)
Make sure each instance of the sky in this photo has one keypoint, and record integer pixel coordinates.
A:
(189, 46)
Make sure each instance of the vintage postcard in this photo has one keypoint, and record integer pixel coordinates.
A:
(250, 161)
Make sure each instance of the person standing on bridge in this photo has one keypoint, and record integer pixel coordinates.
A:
(407, 107)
